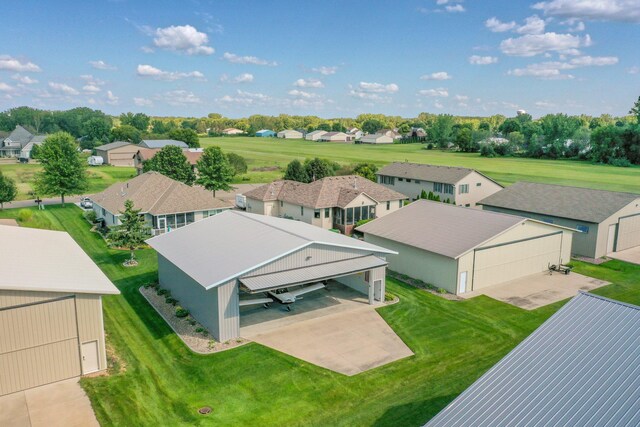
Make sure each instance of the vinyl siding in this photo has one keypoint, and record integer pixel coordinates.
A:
(201, 303)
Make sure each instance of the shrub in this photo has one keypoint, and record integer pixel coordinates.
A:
(388, 296)
(363, 222)
(442, 291)
(181, 312)
(430, 146)
(487, 150)
(25, 215)
(620, 162)
(192, 322)
(90, 216)
(171, 300)
(199, 329)
(163, 292)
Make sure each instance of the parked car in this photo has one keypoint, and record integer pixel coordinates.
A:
(86, 203)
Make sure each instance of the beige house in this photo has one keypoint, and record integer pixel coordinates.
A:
(337, 202)
(607, 221)
(144, 154)
(51, 326)
(376, 138)
(315, 135)
(118, 153)
(336, 137)
(232, 131)
(290, 134)
(461, 186)
(462, 250)
(165, 203)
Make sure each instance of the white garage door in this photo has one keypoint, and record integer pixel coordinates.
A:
(510, 261)
(38, 344)
(628, 232)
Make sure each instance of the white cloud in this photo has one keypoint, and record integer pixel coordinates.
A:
(592, 10)
(497, 26)
(553, 70)
(26, 80)
(236, 59)
(111, 98)
(6, 88)
(63, 88)
(245, 98)
(438, 93)
(101, 65)
(440, 75)
(302, 94)
(532, 25)
(325, 71)
(461, 97)
(536, 44)
(143, 102)
(590, 61)
(243, 78)
(314, 83)
(482, 60)
(182, 38)
(91, 88)
(179, 98)
(150, 71)
(633, 70)
(438, 105)
(544, 104)
(378, 87)
(455, 8)
(10, 63)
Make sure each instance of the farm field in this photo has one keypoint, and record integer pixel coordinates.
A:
(100, 177)
(155, 380)
(273, 153)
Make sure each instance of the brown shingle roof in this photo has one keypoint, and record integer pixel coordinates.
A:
(433, 173)
(156, 194)
(324, 193)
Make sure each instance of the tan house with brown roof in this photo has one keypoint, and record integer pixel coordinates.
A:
(143, 154)
(117, 153)
(337, 202)
(165, 203)
(461, 186)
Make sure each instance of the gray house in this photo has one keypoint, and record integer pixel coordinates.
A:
(608, 221)
(461, 186)
(580, 368)
(213, 265)
(19, 143)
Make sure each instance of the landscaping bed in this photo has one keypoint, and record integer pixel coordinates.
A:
(193, 334)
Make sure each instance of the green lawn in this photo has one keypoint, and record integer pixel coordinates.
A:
(274, 152)
(164, 383)
(100, 177)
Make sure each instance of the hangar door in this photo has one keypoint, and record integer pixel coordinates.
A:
(38, 344)
(512, 260)
(628, 232)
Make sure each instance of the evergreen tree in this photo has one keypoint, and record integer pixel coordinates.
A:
(132, 232)
(214, 170)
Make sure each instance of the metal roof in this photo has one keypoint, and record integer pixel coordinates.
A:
(583, 204)
(47, 261)
(313, 273)
(580, 368)
(228, 245)
(441, 228)
(160, 143)
(114, 144)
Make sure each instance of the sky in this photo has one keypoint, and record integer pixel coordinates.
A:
(327, 58)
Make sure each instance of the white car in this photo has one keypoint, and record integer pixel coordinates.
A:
(86, 203)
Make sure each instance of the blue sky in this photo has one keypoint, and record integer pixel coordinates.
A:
(329, 58)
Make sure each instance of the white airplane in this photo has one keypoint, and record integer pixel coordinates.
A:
(289, 297)
(255, 301)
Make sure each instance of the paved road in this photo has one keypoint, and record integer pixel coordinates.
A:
(47, 201)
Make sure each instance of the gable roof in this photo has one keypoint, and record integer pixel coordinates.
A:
(20, 134)
(55, 263)
(114, 144)
(441, 228)
(433, 173)
(579, 368)
(324, 193)
(245, 242)
(317, 132)
(157, 194)
(159, 143)
(583, 204)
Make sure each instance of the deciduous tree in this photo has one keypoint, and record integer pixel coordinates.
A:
(8, 190)
(214, 170)
(186, 135)
(296, 172)
(171, 162)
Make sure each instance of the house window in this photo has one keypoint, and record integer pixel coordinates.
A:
(478, 184)
(468, 205)
(448, 188)
(190, 217)
(327, 212)
(388, 205)
(349, 216)
(400, 179)
(365, 212)
(463, 189)
(372, 212)
(104, 212)
(281, 203)
(437, 187)
(408, 180)
(302, 210)
(338, 217)
(366, 276)
(399, 203)
(417, 181)
(582, 228)
(316, 213)
(387, 180)
(356, 214)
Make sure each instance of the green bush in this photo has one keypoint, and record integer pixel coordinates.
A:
(171, 300)
(25, 215)
(442, 291)
(90, 216)
(199, 329)
(388, 296)
(163, 292)
(363, 222)
(181, 312)
(192, 322)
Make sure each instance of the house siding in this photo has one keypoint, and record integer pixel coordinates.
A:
(202, 303)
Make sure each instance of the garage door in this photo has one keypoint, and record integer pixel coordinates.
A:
(505, 262)
(628, 232)
(38, 344)
(121, 160)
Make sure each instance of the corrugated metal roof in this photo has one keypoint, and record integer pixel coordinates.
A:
(580, 368)
(311, 273)
(47, 261)
(223, 247)
(159, 143)
(114, 144)
(440, 228)
(433, 173)
(583, 204)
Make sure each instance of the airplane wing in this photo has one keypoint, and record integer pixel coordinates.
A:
(254, 301)
(306, 290)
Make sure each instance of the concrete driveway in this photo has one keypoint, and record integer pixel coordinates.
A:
(60, 404)
(538, 290)
(335, 329)
(629, 255)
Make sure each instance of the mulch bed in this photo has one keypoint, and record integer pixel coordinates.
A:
(196, 341)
